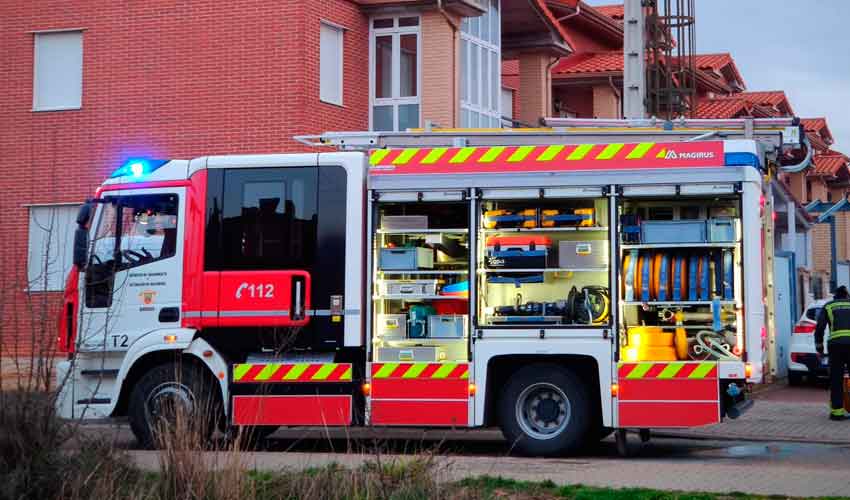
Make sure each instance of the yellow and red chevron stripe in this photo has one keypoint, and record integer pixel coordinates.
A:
(291, 372)
(420, 371)
(546, 158)
(667, 370)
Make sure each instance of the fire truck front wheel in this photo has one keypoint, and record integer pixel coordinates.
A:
(545, 411)
(174, 401)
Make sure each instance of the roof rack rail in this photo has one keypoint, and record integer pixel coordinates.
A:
(777, 135)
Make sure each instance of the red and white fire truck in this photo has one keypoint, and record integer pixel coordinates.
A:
(559, 283)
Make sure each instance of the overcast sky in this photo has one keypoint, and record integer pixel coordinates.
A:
(801, 47)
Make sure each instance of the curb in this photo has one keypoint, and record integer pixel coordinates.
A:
(748, 438)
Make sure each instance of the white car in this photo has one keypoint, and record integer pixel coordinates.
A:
(804, 360)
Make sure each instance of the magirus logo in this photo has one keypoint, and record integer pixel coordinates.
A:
(672, 154)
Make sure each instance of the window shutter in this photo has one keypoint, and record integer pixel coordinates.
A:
(58, 78)
(330, 64)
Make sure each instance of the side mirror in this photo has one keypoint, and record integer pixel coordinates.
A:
(81, 247)
(84, 215)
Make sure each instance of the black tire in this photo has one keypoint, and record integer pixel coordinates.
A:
(561, 426)
(795, 378)
(165, 392)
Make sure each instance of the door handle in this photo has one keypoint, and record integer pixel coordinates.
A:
(169, 315)
(297, 312)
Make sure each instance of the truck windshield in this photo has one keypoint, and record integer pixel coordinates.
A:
(136, 230)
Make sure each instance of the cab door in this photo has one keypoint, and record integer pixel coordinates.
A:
(132, 282)
(276, 249)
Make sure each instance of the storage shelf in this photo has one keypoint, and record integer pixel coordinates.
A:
(417, 297)
(546, 270)
(545, 229)
(677, 303)
(453, 271)
(678, 245)
(423, 231)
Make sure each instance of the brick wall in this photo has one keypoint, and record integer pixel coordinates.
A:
(164, 79)
(821, 253)
(440, 69)
(606, 103)
(577, 99)
(819, 189)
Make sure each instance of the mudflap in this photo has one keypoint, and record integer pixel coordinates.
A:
(668, 394)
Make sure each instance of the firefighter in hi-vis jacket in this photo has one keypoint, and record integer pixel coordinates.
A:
(836, 314)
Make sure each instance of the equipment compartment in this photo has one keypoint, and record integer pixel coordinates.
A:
(420, 285)
(680, 285)
(554, 273)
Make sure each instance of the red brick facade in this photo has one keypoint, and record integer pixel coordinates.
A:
(162, 79)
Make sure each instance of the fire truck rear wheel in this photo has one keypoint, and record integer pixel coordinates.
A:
(545, 411)
(174, 400)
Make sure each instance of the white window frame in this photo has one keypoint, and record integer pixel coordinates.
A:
(35, 64)
(341, 31)
(482, 80)
(396, 32)
(35, 277)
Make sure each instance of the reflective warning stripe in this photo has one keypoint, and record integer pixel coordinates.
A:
(419, 371)
(580, 152)
(434, 155)
(462, 155)
(405, 156)
(610, 151)
(378, 155)
(551, 153)
(668, 370)
(640, 151)
(291, 372)
(491, 154)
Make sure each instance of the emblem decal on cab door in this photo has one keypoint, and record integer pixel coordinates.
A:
(147, 297)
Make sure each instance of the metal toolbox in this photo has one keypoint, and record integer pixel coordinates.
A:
(672, 231)
(448, 326)
(417, 354)
(406, 259)
(392, 326)
(583, 254)
(518, 252)
(721, 230)
(407, 287)
(404, 222)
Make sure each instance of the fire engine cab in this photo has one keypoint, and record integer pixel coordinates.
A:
(559, 283)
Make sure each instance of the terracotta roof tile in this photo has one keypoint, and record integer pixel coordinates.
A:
(818, 127)
(716, 62)
(828, 165)
(722, 108)
(616, 11)
(590, 62)
(772, 99)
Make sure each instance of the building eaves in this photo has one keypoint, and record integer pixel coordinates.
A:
(818, 126)
(828, 165)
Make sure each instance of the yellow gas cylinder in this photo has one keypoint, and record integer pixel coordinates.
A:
(650, 343)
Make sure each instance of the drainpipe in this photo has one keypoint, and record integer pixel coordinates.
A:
(833, 266)
(569, 16)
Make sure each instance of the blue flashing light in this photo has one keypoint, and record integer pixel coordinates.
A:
(138, 168)
(742, 159)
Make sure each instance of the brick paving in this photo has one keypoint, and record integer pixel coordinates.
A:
(779, 414)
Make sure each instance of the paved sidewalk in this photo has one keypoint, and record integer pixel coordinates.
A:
(781, 414)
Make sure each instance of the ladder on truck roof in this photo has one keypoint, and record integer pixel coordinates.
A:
(777, 135)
